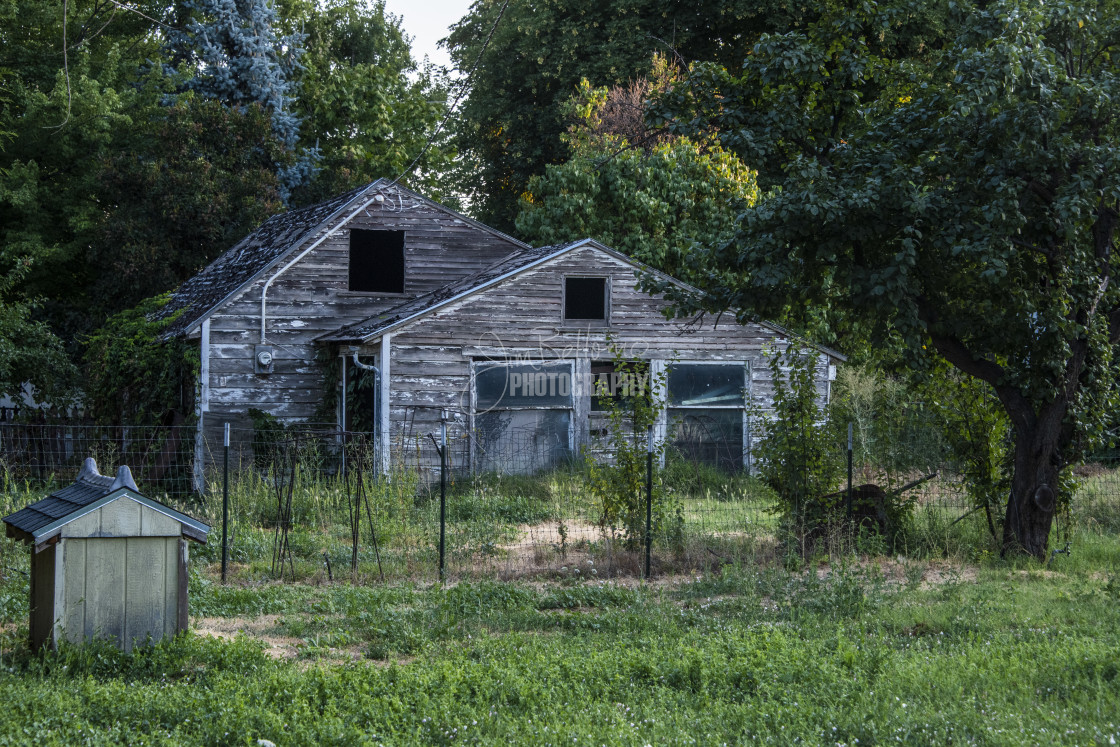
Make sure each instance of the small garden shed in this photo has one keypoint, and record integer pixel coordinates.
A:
(106, 562)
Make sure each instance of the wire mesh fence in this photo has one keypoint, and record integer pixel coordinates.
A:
(322, 505)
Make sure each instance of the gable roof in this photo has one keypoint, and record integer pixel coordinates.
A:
(514, 264)
(89, 492)
(375, 326)
(277, 237)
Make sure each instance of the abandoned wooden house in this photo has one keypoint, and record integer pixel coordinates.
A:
(441, 316)
(106, 562)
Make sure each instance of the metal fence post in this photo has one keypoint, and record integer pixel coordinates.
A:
(649, 497)
(442, 492)
(225, 502)
(849, 471)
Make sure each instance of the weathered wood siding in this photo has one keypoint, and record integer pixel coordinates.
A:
(522, 318)
(121, 574)
(125, 589)
(311, 298)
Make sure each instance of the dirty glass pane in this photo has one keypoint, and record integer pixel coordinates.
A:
(708, 436)
(500, 385)
(521, 441)
(692, 385)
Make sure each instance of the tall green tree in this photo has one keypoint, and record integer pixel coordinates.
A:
(511, 122)
(232, 51)
(62, 128)
(190, 181)
(966, 204)
(653, 203)
(365, 103)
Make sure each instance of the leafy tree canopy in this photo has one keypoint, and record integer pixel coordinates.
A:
(118, 183)
(653, 203)
(365, 104)
(511, 122)
(231, 51)
(965, 202)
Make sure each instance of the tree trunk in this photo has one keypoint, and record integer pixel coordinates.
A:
(1034, 490)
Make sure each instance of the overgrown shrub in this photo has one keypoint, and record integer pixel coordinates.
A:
(618, 481)
(136, 376)
(798, 456)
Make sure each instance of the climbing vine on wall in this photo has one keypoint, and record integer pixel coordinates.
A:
(136, 376)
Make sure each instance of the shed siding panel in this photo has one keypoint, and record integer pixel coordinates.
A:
(59, 605)
(171, 586)
(145, 590)
(121, 518)
(106, 581)
(74, 558)
(86, 526)
(42, 596)
(155, 524)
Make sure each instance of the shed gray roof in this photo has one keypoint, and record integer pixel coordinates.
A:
(506, 266)
(89, 488)
(264, 247)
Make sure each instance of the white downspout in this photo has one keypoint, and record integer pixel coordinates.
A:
(383, 426)
(330, 232)
(202, 406)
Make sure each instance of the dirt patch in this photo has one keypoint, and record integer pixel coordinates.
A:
(902, 572)
(1035, 573)
(538, 547)
(282, 647)
(260, 628)
(1091, 470)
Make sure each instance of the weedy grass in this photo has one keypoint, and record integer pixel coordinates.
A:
(946, 643)
(852, 651)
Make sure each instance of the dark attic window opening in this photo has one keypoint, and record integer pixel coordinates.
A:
(585, 299)
(376, 261)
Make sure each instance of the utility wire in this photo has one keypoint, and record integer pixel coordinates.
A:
(130, 9)
(462, 85)
(65, 56)
(65, 68)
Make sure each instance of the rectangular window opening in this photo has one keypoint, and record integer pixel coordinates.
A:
(522, 415)
(619, 383)
(376, 261)
(707, 406)
(585, 299)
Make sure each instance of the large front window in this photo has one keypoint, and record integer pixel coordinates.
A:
(522, 415)
(707, 412)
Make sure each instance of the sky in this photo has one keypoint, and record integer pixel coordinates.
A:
(427, 21)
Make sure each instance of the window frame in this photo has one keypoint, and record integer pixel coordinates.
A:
(745, 407)
(607, 279)
(349, 263)
(571, 408)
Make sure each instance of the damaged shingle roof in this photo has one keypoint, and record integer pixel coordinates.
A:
(247, 258)
(44, 519)
(510, 264)
(276, 237)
